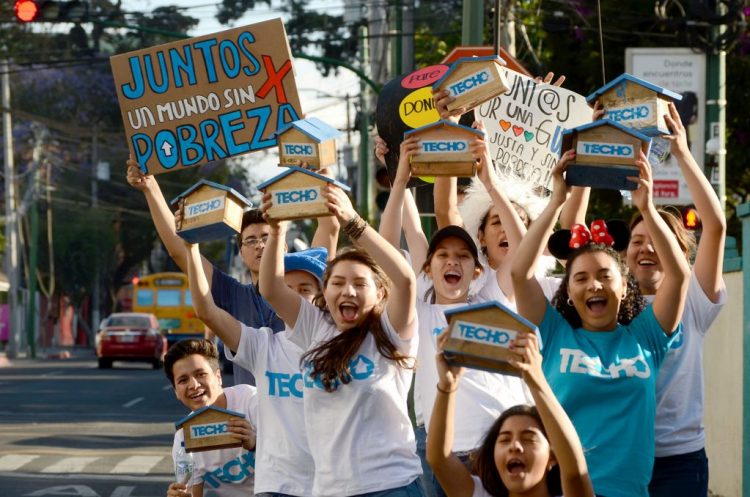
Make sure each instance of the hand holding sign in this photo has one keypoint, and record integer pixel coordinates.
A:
(448, 376)
(530, 360)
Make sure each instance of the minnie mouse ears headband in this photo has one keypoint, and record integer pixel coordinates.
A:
(613, 233)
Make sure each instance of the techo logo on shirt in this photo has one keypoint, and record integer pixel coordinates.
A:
(575, 361)
(360, 368)
(233, 472)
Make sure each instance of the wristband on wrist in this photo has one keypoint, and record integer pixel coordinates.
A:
(355, 227)
(447, 392)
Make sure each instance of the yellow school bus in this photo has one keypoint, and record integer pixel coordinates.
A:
(167, 296)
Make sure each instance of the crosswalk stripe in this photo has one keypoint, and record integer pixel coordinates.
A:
(69, 465)
(137, 465)
(12, 462)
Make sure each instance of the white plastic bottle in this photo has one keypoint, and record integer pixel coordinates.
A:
(183, 466)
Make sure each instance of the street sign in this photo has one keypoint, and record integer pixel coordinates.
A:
(682, 71)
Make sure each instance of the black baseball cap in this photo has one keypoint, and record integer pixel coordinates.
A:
(455, 231)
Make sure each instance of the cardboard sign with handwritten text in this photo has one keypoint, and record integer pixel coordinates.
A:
(525, 124)
(207, 98)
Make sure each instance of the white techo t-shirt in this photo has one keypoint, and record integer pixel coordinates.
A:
(481, 397)
(360, 435)
(492, 291)
(679, 387)
(284, 464)
(226, 472)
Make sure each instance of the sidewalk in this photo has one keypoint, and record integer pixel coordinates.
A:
(49, 353)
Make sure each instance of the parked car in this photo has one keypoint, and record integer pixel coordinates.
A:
(130, 336)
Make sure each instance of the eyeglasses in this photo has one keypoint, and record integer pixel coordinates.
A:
(254, 242)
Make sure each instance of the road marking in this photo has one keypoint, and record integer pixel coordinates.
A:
(70, 465)
(133, 402)
(137, 465)
(12, 462)
(167, 387)
(51, 373)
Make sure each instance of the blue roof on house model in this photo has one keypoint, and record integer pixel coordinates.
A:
(312, 127)
(629, 77)
(464, 60)
(297, 169)
(487, 305)
(607, 122)
(204, 409)
(444, 122)
(205, 182)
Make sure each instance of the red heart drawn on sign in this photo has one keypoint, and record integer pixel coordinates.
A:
(504, 124)
(517, 130)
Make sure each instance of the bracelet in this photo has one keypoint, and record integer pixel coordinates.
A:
(447, 392)
(355, 227)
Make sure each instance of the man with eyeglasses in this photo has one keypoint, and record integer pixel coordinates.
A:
(242, 301)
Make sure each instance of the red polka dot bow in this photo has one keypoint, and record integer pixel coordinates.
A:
(580, 235)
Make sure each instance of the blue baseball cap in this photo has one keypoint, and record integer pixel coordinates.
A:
(312, 260)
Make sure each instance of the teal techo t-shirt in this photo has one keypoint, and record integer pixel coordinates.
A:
(606, 381)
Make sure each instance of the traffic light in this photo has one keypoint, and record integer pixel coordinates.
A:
(51, 11)
(690, 219)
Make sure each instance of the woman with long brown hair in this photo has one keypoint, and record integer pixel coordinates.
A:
(360, 341)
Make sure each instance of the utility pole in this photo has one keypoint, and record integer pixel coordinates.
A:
(31, 309)
(407, 36)
(11, 220)
(472, 27)
(95, 304)
(505, 26)
(716, 104)
(364, 189)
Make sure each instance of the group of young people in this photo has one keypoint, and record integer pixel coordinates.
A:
(609, 401)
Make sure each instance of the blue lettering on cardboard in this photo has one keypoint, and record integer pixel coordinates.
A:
(208, 430)
(298, 149)
(634, 113)
(474, 81)
(483, 333)
(445, 146)
(300, 196)
(606, 149)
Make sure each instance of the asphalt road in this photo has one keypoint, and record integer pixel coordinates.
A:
(70, 429)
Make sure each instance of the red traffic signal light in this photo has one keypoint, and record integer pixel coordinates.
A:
(51, 10)
(26, 10)
(690, 219)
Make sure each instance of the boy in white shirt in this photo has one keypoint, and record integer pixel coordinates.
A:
(192, 367)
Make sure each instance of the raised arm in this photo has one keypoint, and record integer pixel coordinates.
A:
(220, 321)
(391, 219)
(669, 301)
(530, 300)
(402, 301)
(452, 474)
(509, 218)
(327, 233)
(561, 433)
(415, 237)
(709, 259)
(163, 217)
(283, 300)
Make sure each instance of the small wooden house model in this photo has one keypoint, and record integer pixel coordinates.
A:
(473, 80)
(636, 103)
(309, 141)
(297, 193)
(207, 429)
(480, 336)
(606, 153)
(210, 211)
(444, 150)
